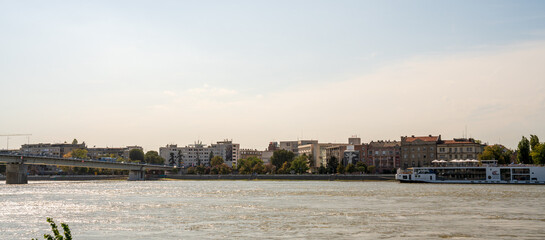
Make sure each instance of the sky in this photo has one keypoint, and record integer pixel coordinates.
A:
(152, 73)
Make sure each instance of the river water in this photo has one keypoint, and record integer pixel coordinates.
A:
(273, 210)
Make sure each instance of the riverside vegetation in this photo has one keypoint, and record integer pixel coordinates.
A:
(56, 234)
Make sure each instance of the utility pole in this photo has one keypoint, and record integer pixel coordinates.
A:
(15, 135)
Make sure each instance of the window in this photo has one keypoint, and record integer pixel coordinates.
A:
(441, 149)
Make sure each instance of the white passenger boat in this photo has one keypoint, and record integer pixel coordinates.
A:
(468, 173)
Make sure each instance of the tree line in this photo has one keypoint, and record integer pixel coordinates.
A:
(529, 151)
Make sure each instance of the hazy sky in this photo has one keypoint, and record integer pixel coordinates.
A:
(151, 73)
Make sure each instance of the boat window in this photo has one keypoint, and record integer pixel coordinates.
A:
(473, 174)
(505, 174)
(521, 170)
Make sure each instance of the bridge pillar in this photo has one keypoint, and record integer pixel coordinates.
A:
(16, 173)
(136, 175)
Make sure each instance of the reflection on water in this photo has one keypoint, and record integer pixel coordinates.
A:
(273, 209)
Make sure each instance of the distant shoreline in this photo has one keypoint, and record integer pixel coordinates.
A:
(314, 177)
(321, 177)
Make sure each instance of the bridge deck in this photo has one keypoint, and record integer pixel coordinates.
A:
(40, 160)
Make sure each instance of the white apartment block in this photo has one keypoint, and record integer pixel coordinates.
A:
(199, 154)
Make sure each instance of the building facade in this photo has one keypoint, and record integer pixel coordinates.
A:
(384, 155)
(418, 151)
(200, 154)
(49, 149)
(459, 148)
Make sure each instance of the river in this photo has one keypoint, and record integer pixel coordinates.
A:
(272, 210)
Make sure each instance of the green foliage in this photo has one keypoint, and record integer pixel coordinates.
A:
(300, 164)
(136, 155)
(56, 233)
(322, 169)
(496, 152)
(77, 153)
(350, 168)
(74, 142)
(224, 169)
(191, 170)
(523, 153)
(340, 169)
(216, 161)
(332, 164)
(269, 168)
(538, 154)
(285, 169)
(200, 169)
(251, 165)
(361, 167)
(534, 142)
(279, 157)
(153, 157)
(371, 169)
(310, 160)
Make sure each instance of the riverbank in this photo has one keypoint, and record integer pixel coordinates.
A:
(321, 177)
(301, 177)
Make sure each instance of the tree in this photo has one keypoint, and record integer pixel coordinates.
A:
(223, 169)
(279, 157)
(77, 153)
(300, 164)
(322, 169)
(191, 170)
(340, 169)
(371, 169)
(74, 142)
(269, 168)
(251, 165)
(200, 169)
(361, 167)
(180, 158)
(311, 160)
(538, 154)
(350, 168)
(496, 152)
(285, 168)
(534, 142)
(523, 153)
(216, 161)
(136, 155)
(332, 164)
(172, 159)
(153, 157)
(56, 233)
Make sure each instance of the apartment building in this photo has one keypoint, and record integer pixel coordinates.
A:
(200, 154)
(459, 148)
(418, 151)
(384, 155)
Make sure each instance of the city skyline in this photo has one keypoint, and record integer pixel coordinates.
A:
(137, 73)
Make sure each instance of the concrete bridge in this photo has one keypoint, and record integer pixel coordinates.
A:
(17, 166)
